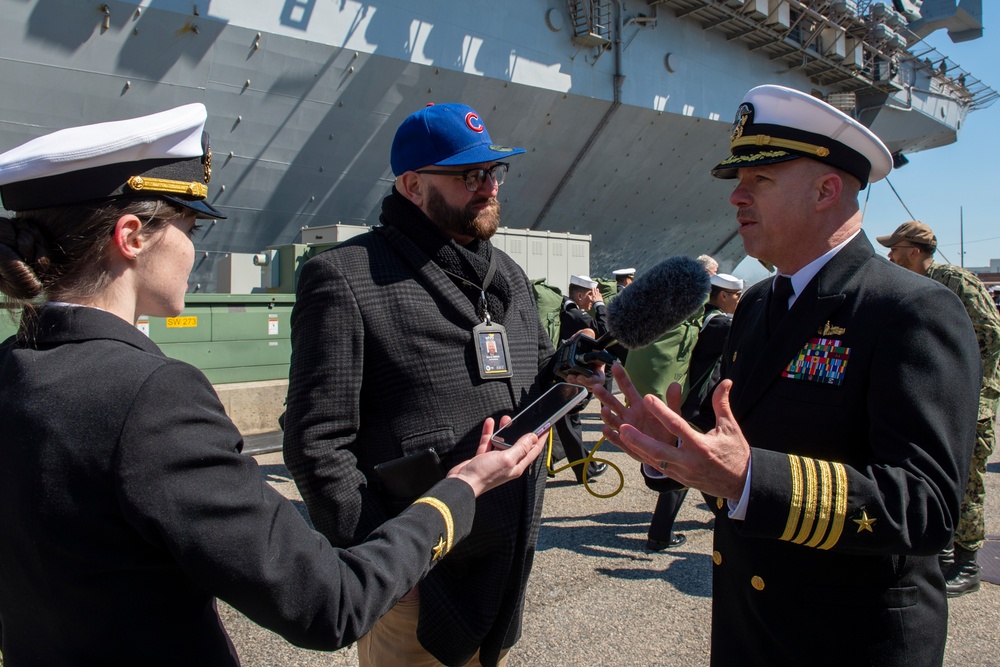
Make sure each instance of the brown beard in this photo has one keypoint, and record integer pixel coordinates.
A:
(464, 221)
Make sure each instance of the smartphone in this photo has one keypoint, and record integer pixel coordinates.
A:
(538, 417)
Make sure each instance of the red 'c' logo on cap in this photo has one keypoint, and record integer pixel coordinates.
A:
(472, 120)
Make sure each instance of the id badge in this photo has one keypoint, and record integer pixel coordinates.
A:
(491, 351)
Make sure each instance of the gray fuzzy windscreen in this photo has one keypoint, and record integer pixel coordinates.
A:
(658, 300)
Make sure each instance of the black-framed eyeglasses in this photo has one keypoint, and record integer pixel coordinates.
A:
(474, 178)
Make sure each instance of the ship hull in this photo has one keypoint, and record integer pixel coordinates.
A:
(304, 98)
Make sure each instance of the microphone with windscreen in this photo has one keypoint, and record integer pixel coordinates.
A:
(656, 302)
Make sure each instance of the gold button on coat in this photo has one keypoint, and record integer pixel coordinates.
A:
(717, 558)
(757, 583)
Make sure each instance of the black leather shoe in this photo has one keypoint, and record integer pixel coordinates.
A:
(594, 469)
(657, 545)
(964, 574)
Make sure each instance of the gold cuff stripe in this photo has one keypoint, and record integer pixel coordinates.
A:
(826, 495)
(446, 515)
(840, 507)
(809, 514)
(765, 140)
(190, 188)
(795, 506)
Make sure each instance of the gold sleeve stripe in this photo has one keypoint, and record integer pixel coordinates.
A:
(446, 515)
(795, 506)
(826, 496)
(809, 515)
(840, 506)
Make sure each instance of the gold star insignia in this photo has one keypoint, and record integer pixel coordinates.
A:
(864, 523)
(438, 551)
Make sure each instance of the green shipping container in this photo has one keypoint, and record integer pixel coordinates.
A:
(230, 337)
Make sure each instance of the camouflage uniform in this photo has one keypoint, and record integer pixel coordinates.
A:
(971, 531)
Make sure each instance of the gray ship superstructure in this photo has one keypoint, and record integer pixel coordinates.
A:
(623, 105)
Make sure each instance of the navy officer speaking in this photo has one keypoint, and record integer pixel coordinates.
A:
(838, 443)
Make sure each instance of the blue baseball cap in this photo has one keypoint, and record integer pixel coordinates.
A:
(444, 135)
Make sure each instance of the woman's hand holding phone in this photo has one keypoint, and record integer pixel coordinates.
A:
(491, 467)
(507, 453)
(538, 417)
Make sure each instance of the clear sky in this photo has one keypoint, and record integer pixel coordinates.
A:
(937, 183)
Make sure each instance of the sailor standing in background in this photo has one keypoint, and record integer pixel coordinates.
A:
(912, 247)
(652, 370)
(838, 461)
(706, 359)
(582, 310)
(623, 277)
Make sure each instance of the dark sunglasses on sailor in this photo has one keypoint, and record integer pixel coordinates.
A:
(474, 178)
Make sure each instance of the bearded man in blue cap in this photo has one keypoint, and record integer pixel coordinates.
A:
(403, 340)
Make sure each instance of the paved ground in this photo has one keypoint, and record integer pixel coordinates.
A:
(597, 598)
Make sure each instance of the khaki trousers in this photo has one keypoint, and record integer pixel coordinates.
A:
(393, 642)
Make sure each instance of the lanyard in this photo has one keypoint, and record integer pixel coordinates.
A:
(483, 306)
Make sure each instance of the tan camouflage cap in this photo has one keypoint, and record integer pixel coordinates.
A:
(913, 231)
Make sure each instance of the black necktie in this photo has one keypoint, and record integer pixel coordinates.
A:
(779, 301)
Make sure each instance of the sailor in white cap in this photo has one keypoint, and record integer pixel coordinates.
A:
(727, 282)
(838, 444)
(583, 310)
(704, 372)
(623, 277)
(125, 502)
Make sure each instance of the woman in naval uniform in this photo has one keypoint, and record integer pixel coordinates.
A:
(125, 503)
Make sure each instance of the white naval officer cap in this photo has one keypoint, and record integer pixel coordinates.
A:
(618, 273)
(726, 281)
(165, 154)
(776, 124)
(583, 281)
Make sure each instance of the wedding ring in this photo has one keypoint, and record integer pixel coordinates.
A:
(662, 465)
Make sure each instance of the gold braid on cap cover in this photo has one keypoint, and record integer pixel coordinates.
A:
(190, 188)
(765, 140)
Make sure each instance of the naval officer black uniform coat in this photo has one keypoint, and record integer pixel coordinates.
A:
(383, 366)
(126, 506)
(859, 461)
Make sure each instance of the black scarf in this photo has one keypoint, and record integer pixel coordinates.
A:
(471, 262)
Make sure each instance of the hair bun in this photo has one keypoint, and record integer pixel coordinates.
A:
(19, 247)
